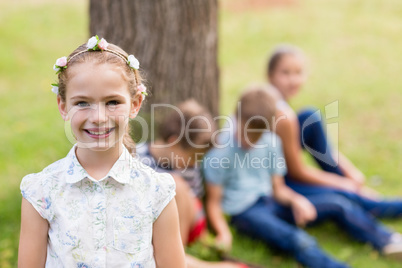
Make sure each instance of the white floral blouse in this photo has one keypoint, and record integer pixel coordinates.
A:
(105, 223)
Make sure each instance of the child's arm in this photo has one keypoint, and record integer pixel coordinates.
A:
(288, 130)
(303, 210)
(168, 247)
(33, 237)
(215, 216)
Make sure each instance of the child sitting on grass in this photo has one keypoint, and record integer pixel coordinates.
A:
(245, 180)
(305, 131)
(184, 136)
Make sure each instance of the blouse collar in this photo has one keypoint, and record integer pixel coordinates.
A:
(121, 170)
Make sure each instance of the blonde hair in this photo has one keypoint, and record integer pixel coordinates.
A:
(115, 56)
(258, 105)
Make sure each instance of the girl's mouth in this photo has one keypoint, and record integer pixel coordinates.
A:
(99, 134)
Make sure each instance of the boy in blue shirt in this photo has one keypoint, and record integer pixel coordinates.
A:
(244, 174)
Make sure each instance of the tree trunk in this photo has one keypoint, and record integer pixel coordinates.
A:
(174, 40)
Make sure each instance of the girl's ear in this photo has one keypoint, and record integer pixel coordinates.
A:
(136, 105)
(62, 108)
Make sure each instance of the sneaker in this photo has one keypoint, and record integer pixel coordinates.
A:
(393, 249)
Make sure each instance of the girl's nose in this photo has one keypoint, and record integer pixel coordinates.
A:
(98, 113)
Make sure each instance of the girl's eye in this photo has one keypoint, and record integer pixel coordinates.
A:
(82, 104)
(112, 103)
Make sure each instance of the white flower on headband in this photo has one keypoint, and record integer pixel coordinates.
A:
(92, 42)
(143, 90)
(133, 62)
(55, 88)
(95, 44)
(61, 63)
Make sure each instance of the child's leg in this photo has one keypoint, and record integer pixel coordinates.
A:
(306, 189)
(259, 221)
(351, 217)
(314, 140)
(383, 208)
(199, 226)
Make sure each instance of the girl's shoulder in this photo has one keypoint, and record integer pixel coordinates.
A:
(148, 174)
(282, 106)
(159, 187)
(284, 111)
(37, 188)
(50, 173)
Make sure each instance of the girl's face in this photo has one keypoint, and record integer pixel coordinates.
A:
(289, 75)
(98, 105)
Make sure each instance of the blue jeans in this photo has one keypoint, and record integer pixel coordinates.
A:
(272, 223)
(314, 140)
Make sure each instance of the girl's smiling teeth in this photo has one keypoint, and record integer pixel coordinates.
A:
(95, 131)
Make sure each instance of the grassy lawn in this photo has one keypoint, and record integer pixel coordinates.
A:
(353, 48)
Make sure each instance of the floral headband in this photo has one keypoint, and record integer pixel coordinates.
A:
(94, 44)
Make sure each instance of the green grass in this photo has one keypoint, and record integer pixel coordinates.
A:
(33, 34)
(353, 47)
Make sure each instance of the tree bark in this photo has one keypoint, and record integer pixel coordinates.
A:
(174, 40)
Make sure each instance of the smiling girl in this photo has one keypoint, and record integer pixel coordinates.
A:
(98, 206)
